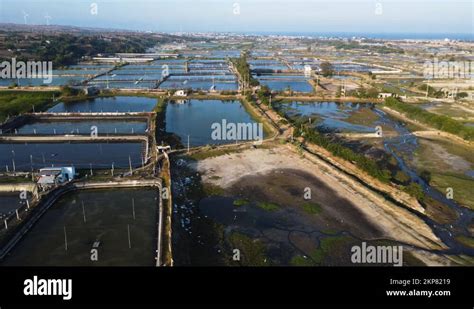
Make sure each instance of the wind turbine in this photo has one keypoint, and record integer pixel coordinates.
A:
(25, 17)
(48, 18)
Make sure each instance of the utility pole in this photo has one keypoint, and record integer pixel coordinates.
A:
(65, 239)
(133, 208)
(83, 212)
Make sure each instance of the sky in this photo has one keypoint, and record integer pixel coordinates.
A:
(250, 16)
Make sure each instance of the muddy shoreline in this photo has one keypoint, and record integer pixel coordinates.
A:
(254, 199)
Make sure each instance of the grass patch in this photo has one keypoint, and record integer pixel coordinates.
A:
(252, 252)
(449, 110)
(439, 212)
(160, 107)
(13, 103)
(443, 170)
(456, 149)
(327, 246)
(268, 206)
(330, 232)
(299, 260)
(466, 241)
(413, 127)
(410, 260)
(312, 208)
(462, 187)
(363, 116)
(329, 243)
(212, 190)
(240, 202)
(11, 179)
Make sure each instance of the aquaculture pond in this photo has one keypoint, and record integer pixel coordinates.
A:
(194, 118)
(120, 224)
(9, 202)
(71, 75)
(27, 156)
(55, 81)
(352, 67)
(129, 84)
(273, 65)
(298, 83)
(83, 127)
(205, 84)
(107, 104)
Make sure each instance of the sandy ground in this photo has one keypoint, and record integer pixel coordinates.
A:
(394, 222)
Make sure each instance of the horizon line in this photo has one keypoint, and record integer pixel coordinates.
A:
(255, 33)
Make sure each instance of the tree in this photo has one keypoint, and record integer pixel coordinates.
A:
(327, 69)
(461, 95)
(401, 177)
(264, 94)
(415, 190)
(426, 176)
(68, 91)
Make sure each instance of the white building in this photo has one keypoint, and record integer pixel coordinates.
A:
(181, 93)
(53, 176)
(384, 95)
